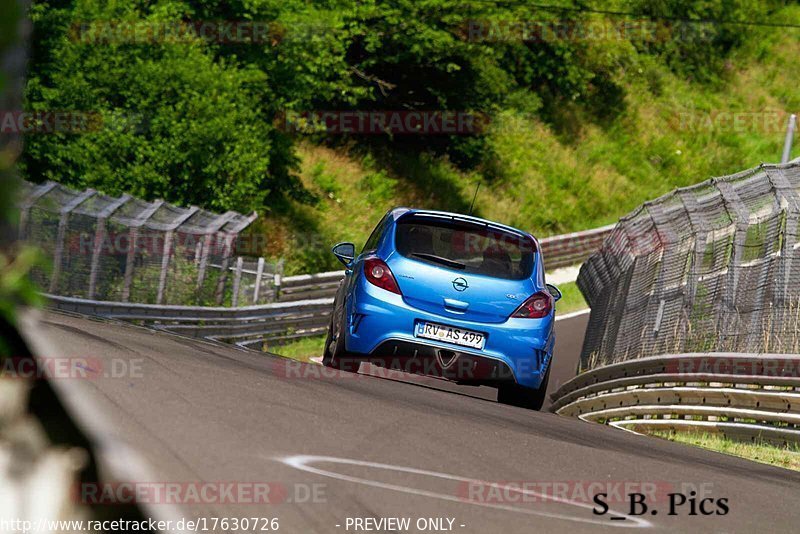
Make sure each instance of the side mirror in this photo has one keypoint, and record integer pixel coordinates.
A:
(344, 252)
(554, 291)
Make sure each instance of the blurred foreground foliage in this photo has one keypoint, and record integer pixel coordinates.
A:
(15, 261)
(15, 285)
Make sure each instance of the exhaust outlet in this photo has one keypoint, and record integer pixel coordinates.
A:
(446, 358)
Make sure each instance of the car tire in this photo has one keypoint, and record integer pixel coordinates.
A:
(334, 354)
(515, 395)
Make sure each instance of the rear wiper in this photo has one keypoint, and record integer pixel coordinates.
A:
(439, 259)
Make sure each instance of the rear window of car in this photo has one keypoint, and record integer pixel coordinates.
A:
(466, 247)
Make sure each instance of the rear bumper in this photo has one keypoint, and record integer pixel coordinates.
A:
(449, 362)
(381, 327)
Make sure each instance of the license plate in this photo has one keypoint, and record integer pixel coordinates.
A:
(450, 334)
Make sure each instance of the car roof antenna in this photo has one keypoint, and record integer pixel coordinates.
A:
(474, 197)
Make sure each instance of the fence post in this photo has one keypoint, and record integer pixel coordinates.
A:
(223, 277)
(62, 230)
(133, 236)
(237, 279)
(259, 274)
(700, 228)
(657, 301)
(167, 251)
(59, 251)
(201, 269)
(787, 143)
(782, 292)
(277, 279)
(25, 209)
(99, 236)
(729, 318)
(211, 229)
(162, 277)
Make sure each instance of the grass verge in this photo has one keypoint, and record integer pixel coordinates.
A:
(571, 299)
(302, 349)
(765, 453)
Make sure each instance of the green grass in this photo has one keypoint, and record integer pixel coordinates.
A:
(308, 347)
(786, 457)
(302, 349)
(571, 299)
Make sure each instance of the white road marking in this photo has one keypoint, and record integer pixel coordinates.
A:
(572, 314)
(302, 462)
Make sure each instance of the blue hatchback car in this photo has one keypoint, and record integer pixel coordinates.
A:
(447, 295)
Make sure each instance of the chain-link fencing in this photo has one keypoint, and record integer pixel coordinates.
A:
(712, 267)
(127, 250)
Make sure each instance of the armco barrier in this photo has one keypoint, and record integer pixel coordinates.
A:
(248, 326)
(309, 286)
(572, 249)
(741, 396)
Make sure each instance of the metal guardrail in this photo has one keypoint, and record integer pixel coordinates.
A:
(309, 286)
(572, 249)
(742, 396)
(247, 326)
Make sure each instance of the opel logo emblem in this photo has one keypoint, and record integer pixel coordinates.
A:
(459, 284)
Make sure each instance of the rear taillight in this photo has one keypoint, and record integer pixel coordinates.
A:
(537, 306)
(379, 274)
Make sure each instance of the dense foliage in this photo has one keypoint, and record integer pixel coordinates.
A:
(199, 121)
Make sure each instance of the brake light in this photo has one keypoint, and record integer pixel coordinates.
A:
(379, 274)
(536, 306)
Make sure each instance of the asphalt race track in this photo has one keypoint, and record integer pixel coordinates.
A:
(335, 447)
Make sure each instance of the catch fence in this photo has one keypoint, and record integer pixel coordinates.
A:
(712, 267)
(128, 250)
